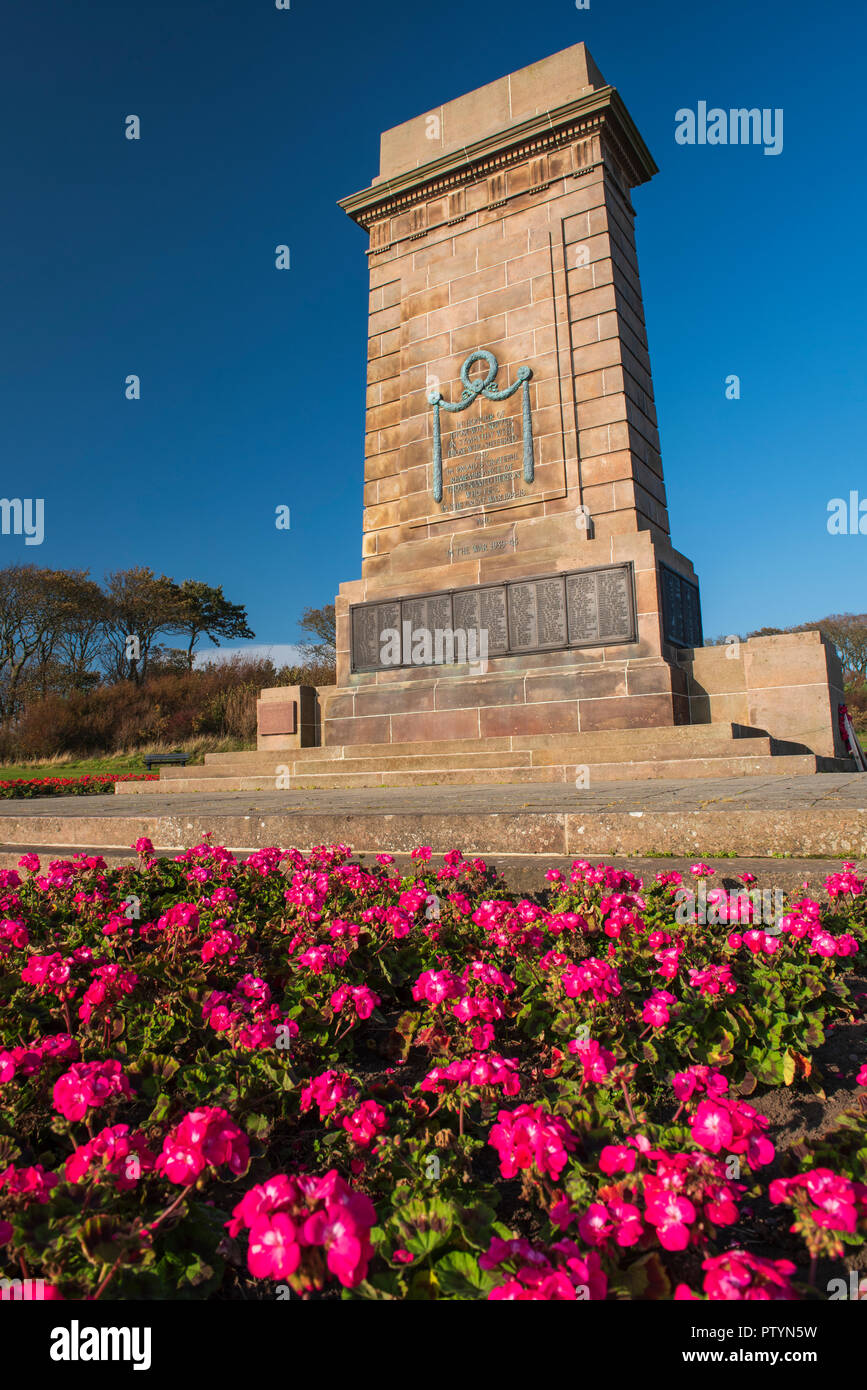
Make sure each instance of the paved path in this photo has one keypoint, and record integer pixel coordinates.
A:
(819, 817)
(824, 791)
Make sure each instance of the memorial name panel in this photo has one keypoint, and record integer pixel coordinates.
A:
(681, 609)
(369, 622)
(476, 610)
(578, 609)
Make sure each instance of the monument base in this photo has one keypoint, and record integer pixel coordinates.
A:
(519, 698)
(564, 682)
(766, 707)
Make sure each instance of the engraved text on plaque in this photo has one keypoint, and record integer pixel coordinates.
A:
(581, 608)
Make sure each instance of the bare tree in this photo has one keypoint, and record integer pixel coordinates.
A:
(321, 623)
(31, 620)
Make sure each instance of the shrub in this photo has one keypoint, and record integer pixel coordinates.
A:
(218, 699)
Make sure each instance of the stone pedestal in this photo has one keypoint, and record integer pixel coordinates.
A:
(569, 690)
(791, 685)
(287, 717)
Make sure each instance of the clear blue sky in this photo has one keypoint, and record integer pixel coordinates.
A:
(156, 258)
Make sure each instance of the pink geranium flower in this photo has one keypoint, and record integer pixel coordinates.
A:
(595, 1226)
(529, 1137)
(657, 1009)
(596, 1061)
(738, 1275)
(274, 1252)
(205, 1138)
(357, 997)
(87, 1086)
(711, 1126)
(617, 1158)
(670, 1214)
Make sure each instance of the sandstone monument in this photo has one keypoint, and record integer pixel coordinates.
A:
(502, 256)
(522, 613)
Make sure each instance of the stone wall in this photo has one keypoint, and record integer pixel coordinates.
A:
(789, 685)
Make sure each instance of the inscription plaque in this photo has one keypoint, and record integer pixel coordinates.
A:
(477, 609)
(614, 616)
(483, 464)
(681, 609)
(537, 614)
(551, 625)
(492, 617)
(581, 608)
(369, 621)
(600, 607)
(483, 478)
(522, 617)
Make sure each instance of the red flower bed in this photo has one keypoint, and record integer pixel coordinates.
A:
(71, 786)
(305, 1073)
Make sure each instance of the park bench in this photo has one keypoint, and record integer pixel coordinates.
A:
(152, 758)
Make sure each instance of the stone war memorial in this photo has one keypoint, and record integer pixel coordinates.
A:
(523, 612)
(525, 960)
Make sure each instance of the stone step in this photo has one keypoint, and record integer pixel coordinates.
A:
(385, 761)
(410, 762)
(726, 766)
(698, 739)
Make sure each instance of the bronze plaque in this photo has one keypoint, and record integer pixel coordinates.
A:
(483, 610)
(369, 622)
(551, 612)
(681, 609)
(601, 606)
(483, 463)
(277, 716)
(615, 616)
(523, 629)
(580, 608)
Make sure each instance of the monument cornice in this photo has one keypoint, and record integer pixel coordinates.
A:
(601, 110)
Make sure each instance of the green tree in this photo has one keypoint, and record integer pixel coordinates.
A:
(139, 606)
(206, 612)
